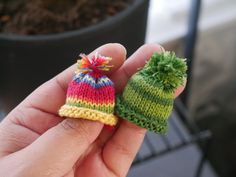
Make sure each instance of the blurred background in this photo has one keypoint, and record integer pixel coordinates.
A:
(201, 140)
(211, 99)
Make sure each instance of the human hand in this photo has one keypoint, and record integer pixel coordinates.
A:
(36, 142)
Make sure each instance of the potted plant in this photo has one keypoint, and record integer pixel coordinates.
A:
(40, 38)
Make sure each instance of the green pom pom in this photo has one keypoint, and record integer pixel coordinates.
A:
(166, 70)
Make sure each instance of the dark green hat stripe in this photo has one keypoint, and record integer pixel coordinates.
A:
(150, 96)
(155, 124)
(159, 113)
(145, 106)
(137, 81)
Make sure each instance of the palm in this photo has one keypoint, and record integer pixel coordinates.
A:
(94, 164)
(34, 120)
(89, 165)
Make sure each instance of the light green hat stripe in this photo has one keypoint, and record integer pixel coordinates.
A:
(159, 96)
(145, 86)
(145, 106)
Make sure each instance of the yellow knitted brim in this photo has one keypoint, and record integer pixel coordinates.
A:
(89, 114)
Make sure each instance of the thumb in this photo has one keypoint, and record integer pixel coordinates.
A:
(58, 149)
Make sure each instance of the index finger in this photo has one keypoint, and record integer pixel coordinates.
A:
(122, 147)
(51, 95)
(131, 65)
(40, 107)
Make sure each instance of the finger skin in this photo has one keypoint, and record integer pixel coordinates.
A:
(62, 145)
(51, 95)
(120, 151)
(69, 140)
(46, 100)
(58, 149)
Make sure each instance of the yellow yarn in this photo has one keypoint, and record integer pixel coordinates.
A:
(77, 100)
(90, 114)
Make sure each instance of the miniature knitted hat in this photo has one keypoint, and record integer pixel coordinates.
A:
(147, 100)
(91, 94)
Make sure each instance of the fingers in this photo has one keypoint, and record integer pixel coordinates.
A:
(68, 140)
(58, 149)
(116, 51)
(51, 95)
(131, 65)
(121, 149)
(179, 90)
(40, 108)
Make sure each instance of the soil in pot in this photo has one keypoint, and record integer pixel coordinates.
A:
(27, 17)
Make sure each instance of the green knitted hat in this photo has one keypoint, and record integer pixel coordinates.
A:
(148, 98)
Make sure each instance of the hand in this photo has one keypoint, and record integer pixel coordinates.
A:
(35, 141)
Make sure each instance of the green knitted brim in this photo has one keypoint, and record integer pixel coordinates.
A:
(154, 124)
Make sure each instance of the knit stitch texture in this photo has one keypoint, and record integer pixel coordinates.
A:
(91, 94)
(148, 98)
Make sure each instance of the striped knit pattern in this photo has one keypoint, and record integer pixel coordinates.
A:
(145, 101)
(90, 96)
(145, 105)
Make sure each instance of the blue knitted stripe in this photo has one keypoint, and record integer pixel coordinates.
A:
(95, 83)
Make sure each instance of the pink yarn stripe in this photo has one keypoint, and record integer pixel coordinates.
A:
(85, 91)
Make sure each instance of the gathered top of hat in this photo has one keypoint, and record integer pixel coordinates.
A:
(91, 94)
(96, 63)
(147, 100)
(166, 70)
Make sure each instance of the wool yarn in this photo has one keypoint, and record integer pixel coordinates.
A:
(147, 100)
(91, 94)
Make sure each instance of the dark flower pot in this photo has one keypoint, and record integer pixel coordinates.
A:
(28, 61)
